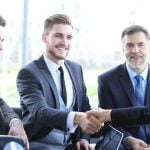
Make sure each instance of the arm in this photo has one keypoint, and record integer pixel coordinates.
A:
(38, 99)
(13, 123)
(130, 116)
(7, 112)
(123, 116)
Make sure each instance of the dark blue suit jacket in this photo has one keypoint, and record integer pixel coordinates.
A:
(39, 98)
(130, 116)
(115, 90)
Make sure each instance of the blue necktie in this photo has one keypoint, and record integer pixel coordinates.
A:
(63, 86)
(139, 95)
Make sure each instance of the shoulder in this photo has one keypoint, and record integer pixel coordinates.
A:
(112, 73)
(72, 64)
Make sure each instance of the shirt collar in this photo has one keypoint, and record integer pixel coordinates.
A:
(132, 74)
(51, 65)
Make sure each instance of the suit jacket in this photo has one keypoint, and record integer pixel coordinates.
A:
(130, 116)
(39, 98)
(6, 114)
(115, 90)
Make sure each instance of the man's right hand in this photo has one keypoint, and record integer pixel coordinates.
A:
(103, 115)
(89, 124)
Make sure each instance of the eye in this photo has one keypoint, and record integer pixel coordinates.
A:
(129, 45)
(141, 44)
(58, 35)
(2, 40)
(69, 37)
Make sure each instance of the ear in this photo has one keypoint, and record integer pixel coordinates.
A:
(44, 37)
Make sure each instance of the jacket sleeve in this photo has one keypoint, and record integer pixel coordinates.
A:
(130, 116)
(7, 112)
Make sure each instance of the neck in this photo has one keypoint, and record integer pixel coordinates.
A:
(54, 59)
(138, 69)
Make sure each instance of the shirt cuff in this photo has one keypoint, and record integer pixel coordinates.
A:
(70, 122)
(12, 120)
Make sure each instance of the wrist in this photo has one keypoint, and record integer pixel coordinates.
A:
(16, 122)
(107, 114)
(128, 142)
(77, 117)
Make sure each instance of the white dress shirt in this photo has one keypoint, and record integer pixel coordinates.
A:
(53, 68)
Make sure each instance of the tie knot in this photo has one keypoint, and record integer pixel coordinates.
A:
(138, 78)
(61, 69)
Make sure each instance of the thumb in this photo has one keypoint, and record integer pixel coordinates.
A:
(95, 113)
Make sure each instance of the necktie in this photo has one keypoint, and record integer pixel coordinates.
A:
(139, 91)
(139, 95)
(63, 86)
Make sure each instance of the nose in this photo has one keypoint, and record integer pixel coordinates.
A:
(135, 49)
(65, 41)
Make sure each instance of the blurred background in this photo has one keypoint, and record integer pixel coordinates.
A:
(96, 45)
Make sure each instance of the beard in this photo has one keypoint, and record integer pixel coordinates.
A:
(57, 55)
(137, 64)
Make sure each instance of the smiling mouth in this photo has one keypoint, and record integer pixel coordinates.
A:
(61, 49)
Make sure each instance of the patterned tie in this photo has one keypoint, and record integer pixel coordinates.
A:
(139, 95)
(63, 86)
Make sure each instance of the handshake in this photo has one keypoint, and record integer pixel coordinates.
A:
(92, 121)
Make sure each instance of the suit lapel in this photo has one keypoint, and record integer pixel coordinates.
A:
(70, 70)
(127, 84)
(147, 92)
(44, 70)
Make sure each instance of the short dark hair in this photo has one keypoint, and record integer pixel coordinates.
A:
(2, 21)
(56, 19)
(134, 29)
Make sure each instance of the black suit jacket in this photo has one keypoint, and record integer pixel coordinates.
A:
(39, 98)
(115, 90)
(6, 114)
(130, 116)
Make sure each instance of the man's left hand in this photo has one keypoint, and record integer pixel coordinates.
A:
(17, 129)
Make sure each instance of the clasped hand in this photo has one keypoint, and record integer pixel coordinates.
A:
(92, 121)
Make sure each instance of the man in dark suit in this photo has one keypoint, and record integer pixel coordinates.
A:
(117, 87)
(50, 119)
(9, 121)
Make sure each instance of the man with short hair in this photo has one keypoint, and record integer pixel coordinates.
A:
(50, 116)
(127, 85)
(8, 118)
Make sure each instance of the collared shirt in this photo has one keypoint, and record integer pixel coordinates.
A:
(132, 75)
(53, 68)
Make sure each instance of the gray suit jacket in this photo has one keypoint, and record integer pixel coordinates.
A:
(39, 98)
(6, 114)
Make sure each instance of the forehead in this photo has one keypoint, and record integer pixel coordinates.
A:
(62, 28)
(2, 32)
(135, 38)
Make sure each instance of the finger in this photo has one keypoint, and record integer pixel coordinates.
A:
(27, 143)
(143, 144)
(78, 146)
(84, 145)
(91, 148)
(94, 122)
(95, 113)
